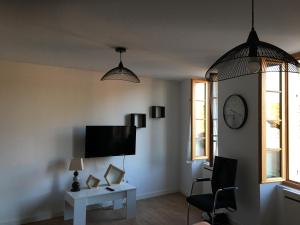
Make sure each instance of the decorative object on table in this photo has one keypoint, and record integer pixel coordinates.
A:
(76, 165)
(138, 120)
(120, 72)
(251, 57)
(158, 112)
(235, 111)
(92, 182)
(114, 175)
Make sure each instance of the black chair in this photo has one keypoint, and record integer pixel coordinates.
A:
(223, 189)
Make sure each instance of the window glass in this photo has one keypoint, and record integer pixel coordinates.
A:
(273, 107)
(199, 91)
(280, 125)
(272, 81)
(294, 127)
(199, 109)
(214, 118)
(272, 122)
(273, 164)
(200, 122)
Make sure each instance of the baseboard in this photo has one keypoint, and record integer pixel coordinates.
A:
(155, 194)
(185, 194)
(47, 216)
(25, 220)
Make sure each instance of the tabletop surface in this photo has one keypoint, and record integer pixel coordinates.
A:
(85, 192)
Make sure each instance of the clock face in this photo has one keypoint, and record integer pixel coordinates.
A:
(235, 111)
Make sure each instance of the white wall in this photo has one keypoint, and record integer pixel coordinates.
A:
(270, 204)
(44, 111)
(242, 144)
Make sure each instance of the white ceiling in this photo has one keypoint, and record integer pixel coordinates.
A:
(167, 39)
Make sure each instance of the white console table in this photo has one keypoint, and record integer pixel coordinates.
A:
(76, 202)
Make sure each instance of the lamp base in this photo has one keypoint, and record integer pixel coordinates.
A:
(76, 184)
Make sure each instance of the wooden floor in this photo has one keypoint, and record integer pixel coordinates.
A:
(163, 210)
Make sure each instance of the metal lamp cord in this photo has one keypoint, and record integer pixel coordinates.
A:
(252, 14)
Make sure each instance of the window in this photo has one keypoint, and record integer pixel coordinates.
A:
(280, 125)
(200, 120)
(293, 156)
(273, 123)
(214, 121)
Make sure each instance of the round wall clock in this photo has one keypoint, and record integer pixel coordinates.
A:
(235, 111)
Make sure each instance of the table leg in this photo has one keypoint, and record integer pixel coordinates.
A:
(130, 204)
(118, 204)
(68, 211)
(79, 212)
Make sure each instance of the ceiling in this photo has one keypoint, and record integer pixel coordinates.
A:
(166, 39)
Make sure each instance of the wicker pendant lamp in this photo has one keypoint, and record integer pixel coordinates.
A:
(251, 57)
(120, 72)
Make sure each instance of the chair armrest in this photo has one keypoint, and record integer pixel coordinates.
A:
(229, 188)
(196, 180)
(201, 179)
(221, 190)
(225, 189)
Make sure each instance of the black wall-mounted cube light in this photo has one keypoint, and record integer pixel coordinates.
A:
(158, 112)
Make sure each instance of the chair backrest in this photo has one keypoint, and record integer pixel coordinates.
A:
(224, 174)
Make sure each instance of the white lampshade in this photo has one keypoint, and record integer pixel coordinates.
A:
(76, 164)
(253, 64)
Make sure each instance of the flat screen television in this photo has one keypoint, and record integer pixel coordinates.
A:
(101, 141)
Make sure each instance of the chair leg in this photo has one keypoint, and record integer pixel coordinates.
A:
(209, 216)
(188, 215)
(213, 218)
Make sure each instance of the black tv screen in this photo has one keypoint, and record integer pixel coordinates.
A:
(101, 141)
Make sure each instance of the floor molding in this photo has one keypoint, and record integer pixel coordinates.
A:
(25, 220)
(155, 194)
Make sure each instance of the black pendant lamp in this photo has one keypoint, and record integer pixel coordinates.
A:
(120, 72)
(251, 57)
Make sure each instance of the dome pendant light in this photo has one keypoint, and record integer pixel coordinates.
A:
(120, 72)
(251, 57)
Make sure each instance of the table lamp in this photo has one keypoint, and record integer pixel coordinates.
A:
(76, 165)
